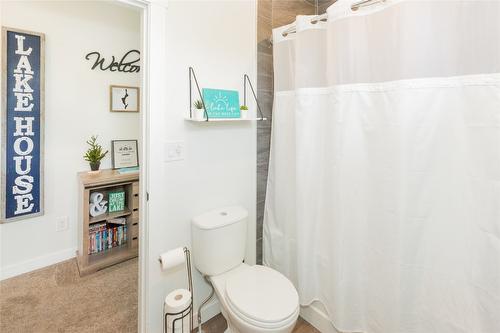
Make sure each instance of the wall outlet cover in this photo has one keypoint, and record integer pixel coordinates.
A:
(174, 151)
(62, 223)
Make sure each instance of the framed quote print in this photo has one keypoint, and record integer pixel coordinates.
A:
(124, 154)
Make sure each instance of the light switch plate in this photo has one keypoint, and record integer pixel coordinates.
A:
(174, 151)
(62, 224)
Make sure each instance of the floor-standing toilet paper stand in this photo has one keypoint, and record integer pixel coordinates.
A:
(178, 322)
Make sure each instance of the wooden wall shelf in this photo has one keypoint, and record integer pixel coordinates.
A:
(107, 216)
(215, 120)
(103, 182)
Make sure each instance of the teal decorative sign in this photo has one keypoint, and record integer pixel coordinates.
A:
(116, 201)
(222, 103)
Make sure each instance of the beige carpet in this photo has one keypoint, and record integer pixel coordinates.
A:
(56, 299)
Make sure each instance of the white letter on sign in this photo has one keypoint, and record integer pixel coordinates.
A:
(20, 46)
(23, 63)
(23, 102)
(28, 127)
(22, 83)
(23, 185)
(17, 146)
(23, 203)
(19, 160)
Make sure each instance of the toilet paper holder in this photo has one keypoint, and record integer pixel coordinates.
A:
(178, 317)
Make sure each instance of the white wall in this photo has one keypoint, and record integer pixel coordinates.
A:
(77, 106)
(217, 38)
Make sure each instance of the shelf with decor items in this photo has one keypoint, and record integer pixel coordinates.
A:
(211, 120)
(199, 113)
(111, 237)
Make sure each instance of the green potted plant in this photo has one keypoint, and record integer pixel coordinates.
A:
(198, 111)
(94, 154)
(243, 112)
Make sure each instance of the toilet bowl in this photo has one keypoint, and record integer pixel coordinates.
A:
(256, 299)
(253, 299)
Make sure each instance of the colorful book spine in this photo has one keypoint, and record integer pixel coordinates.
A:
(120, 235)
(103, 237)
(110, 239)
(98, 241)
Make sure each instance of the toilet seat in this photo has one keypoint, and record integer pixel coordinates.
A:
(262, 297)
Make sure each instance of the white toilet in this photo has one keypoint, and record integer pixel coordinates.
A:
(253, 299)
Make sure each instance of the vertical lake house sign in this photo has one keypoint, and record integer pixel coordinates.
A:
(22, 124)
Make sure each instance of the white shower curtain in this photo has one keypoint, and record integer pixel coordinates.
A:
(383, 196)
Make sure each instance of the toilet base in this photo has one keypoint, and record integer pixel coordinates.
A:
(234, 323)
(232, 328)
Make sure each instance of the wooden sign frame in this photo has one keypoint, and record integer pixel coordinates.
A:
(39, 124)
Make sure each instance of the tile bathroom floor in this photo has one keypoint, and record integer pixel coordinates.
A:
(218, 324)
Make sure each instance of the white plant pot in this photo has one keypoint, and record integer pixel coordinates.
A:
(198, 114)
(244, 114)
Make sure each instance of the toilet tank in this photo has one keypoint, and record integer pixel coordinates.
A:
(219, 239)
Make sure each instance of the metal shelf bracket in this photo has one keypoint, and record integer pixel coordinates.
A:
(245, 80)
(192, 76)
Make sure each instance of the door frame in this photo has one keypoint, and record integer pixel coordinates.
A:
(153, 16)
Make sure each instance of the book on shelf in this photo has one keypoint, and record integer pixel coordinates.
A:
(118, 220)
(103, 236)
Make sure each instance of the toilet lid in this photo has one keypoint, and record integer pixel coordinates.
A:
(262, 294)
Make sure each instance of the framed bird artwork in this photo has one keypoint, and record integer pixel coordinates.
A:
(124, 99)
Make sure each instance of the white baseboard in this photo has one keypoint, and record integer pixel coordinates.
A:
(318, 318)
(209, 311)
(36, 263)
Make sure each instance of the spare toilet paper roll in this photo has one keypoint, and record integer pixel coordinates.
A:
(175, 302)
(172, 258)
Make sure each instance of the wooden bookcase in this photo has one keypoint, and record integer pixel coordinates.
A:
(105, 181)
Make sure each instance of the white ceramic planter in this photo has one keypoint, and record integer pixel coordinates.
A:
(244, 114)
(198, 114)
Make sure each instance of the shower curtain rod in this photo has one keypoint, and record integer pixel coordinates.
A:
(324, 17)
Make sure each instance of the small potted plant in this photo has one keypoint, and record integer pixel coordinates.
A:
(244, 112)
(198, 111)
(94, 154)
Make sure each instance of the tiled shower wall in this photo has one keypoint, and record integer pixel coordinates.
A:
(272, 14)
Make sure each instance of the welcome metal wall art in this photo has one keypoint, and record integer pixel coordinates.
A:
(129, 62)
(22, 124)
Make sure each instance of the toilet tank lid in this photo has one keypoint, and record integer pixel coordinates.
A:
(221, 217)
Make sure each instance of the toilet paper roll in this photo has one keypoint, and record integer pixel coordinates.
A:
(172, 258)
(175, 302)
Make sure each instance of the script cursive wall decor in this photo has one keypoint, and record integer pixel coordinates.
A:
(129, 63)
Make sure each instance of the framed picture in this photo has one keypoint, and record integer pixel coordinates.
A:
(124, 154)
(22, 125)
(124, 99)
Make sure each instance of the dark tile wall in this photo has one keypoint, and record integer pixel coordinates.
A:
(265, 97)
(323, 5)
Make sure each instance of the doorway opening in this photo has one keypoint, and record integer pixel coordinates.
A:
(86, 249)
